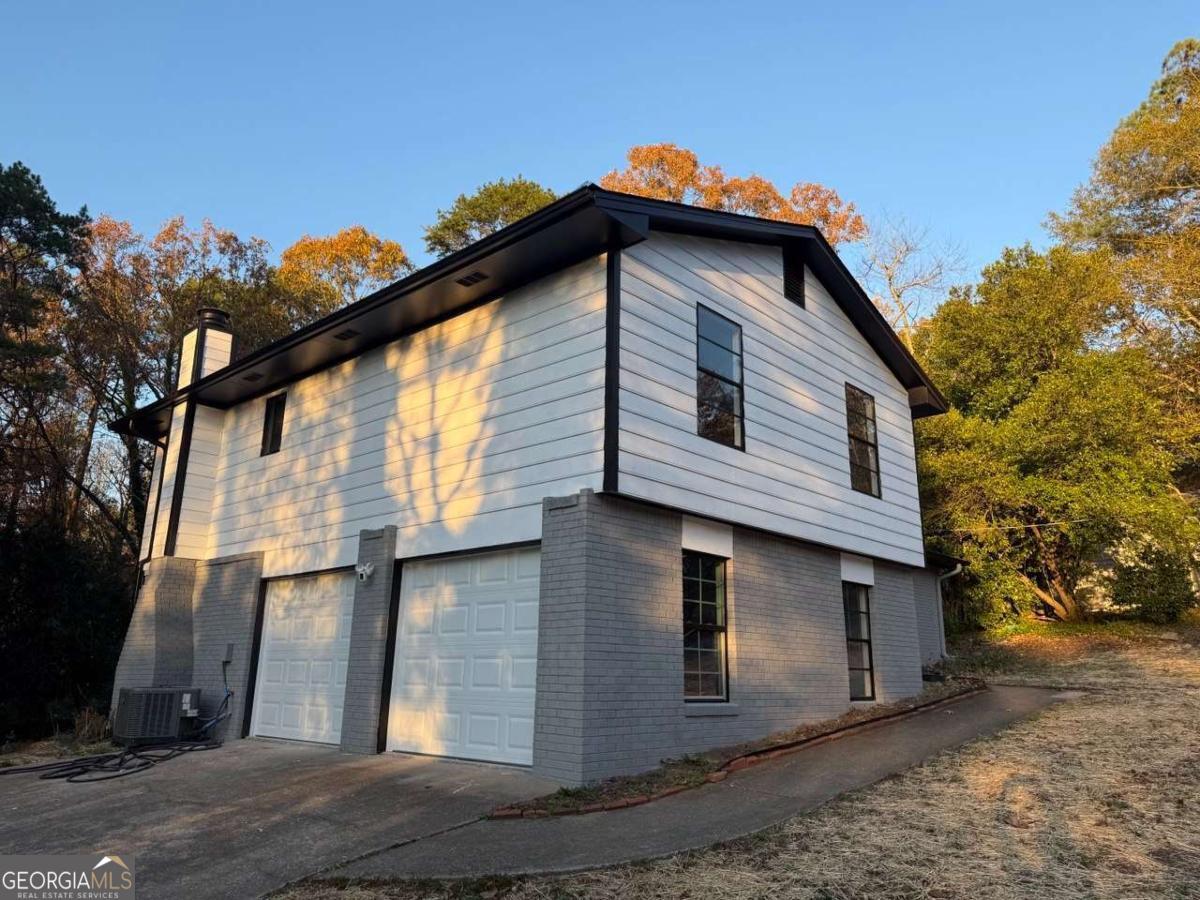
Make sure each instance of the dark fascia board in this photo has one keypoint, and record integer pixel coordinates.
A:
(924, 399)
(581, 224)
(935, 559)
(567, 231)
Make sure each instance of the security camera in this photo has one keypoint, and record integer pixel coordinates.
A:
(364, 571)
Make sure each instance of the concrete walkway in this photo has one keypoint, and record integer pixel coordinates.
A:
(746, 802)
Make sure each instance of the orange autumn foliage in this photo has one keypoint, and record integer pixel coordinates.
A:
(668, 172)
(349, 265)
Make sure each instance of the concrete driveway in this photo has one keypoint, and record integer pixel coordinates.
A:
(254, 814)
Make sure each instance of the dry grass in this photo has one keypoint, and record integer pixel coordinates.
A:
(30, 753)
(1097, 797)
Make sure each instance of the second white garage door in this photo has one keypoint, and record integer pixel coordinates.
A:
(466, 657)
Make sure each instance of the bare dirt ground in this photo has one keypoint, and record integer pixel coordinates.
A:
(1099, 797)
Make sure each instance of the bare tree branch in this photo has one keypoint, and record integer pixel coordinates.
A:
(905, 273)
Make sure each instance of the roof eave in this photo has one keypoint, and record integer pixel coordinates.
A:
(619, 220)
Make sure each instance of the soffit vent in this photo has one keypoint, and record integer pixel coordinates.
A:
(253, 376)
(471, 278)
(346, 333)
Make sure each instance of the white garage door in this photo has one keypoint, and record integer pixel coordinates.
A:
(466, 657)
(302, 660)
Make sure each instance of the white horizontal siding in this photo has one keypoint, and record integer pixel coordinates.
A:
(195, 510)
(454, 434)
(169, 467)
(794, 475)
(151, 503)
(218, 348)
(187, 357)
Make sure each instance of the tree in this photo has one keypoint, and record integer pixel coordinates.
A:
(988, 345)
(904, 273)
(1142, 203)
(668, 172)
(64, 590)
(1059, 444)
(492, 206)
(39, 247)
(336, 270)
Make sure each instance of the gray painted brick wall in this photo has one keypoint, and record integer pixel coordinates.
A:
(224, 606)
(157, 647)
(895, 647)
(173, 621)
(610, 639)
(368, 642)
(187, 613)
(559, 706)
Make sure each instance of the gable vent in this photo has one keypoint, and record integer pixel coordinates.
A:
(253, 376)
(793, 274)
(472, 278)
(346, 333)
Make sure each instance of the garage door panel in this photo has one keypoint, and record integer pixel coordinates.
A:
(451, 672)
(304, 658)
(520, 733)
(524, 673)
(466, 657)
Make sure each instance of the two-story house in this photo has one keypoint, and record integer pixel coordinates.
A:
(622, 481)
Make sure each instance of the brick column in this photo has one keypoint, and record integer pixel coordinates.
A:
(559, 713)
(224, 607)
(368, 642)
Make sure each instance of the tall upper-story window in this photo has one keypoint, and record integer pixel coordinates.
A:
(272, 434)
(704, 672)
(864, 441)
(719, 378)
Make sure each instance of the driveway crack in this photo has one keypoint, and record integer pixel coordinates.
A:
(368, 854)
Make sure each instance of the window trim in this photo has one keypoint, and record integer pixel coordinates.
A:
(851, 438)
(272, 433)
(722, 630)
(868, 640)
(740, 444)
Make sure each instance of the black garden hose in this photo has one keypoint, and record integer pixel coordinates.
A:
(119, 763)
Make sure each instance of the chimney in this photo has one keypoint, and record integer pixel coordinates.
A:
(207, 347)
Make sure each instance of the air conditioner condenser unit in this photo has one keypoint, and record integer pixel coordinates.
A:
(155, 715)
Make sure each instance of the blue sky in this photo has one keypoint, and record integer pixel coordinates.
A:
(283, 119)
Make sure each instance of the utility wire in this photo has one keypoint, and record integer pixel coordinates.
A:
(1008, 527)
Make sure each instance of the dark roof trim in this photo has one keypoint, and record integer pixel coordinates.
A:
(580, 225)
(935, 559)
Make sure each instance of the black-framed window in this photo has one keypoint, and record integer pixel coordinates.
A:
(864, 441)
(857, 600)
(272, 433)
(705, 675)
(719, 378)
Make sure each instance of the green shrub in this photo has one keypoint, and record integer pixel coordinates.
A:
(1157, 585)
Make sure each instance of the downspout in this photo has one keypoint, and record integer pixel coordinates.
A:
(942, 579)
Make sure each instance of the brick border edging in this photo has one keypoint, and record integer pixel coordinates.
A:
(737, 764)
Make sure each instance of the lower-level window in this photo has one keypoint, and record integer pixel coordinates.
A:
(857, 600)
(704, 674)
